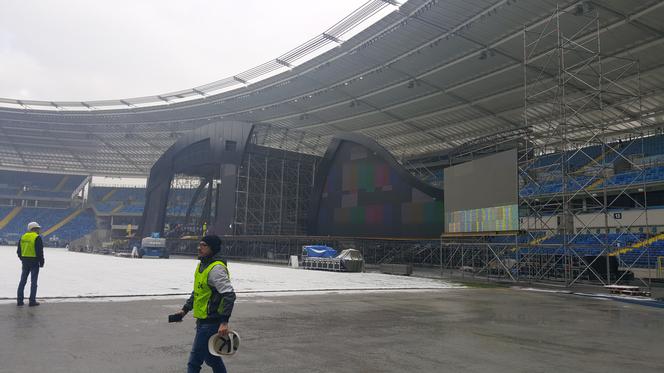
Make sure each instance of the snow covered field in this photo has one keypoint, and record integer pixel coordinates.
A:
(69, 274)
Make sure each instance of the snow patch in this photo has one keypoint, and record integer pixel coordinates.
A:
(72, 276)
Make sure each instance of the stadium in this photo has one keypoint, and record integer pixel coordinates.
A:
(507, 154)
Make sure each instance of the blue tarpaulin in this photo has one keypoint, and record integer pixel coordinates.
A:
(319, 251)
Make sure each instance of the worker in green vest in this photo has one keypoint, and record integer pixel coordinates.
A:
(31, 252)
(212, 302)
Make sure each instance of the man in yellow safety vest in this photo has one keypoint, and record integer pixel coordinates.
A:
(212, 302)
(31, 252)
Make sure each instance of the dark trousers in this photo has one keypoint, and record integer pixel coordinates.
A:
(33, 271)
(200, 352)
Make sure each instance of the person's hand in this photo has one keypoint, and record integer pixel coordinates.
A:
(181, 313)
(41, 264)
(223, 329)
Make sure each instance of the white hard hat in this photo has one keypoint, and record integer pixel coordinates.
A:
(32, 225)
(224, 346)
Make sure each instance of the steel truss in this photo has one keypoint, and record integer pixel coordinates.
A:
(190, 205)
(275, 183)
(574, 102)
(478, 257)
(572, 98)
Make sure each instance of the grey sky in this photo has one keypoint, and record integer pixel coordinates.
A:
(109, 49)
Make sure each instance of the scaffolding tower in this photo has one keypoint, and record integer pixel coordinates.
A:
(575, 100)
(275, 183)
(582, 125)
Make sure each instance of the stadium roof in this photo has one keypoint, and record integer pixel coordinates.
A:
(427, 77)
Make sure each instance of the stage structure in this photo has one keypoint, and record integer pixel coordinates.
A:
(582, 123)
(275, 181)
(362, 190)
(212, 153)
(191, 202)
(287, 192)
(278, 249)
(232, 178)
(290, 194)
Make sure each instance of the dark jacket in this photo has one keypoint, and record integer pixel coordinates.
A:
(222, 291)
(38, 260)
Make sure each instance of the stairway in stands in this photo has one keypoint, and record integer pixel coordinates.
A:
(10, 216)
(544, 237)
(61, 184)
(595, 184)
(638, 245)
(117, 208)
(62, 222)
(108, 195)
(595, 162)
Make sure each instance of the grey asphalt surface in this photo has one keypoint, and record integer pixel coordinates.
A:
(456, 330)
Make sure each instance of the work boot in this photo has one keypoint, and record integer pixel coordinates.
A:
(19, 303)
(33, 304)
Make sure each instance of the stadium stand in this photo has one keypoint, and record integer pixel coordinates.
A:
(79, 226)
(130, 201)
(635, 250)
(105, 207)
(134, 208)
(5, 216)
(648, 153)
(52, 220)
(117, 200)
(14, 182)
(45, 198)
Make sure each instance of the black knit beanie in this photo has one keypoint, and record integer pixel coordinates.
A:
(213, 241)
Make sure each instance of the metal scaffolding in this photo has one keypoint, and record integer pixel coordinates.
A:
(190, 205)
(275, 183)
(279, 248)
(575, 102)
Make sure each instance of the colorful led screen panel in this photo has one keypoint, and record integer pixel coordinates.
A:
(481, 195)
(365, 196)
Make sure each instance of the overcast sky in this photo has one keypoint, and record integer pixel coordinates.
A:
(110, 49)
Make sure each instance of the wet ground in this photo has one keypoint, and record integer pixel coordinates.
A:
(450, 330)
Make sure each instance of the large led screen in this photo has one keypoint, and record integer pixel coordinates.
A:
(481, 195)
(364, 196)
